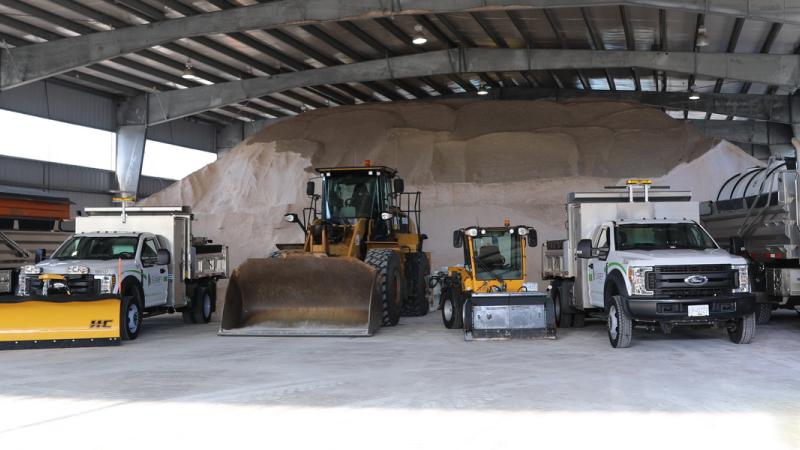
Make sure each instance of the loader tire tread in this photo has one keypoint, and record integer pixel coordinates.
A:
(387, 263)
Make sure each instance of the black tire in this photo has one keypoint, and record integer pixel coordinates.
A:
(620, 325)
(563, 319)
(390, 283)
(763, 313)
(578, 320)
(417, 270)
(452, 310)
(744, 329)
(202, 304)
(131, 312)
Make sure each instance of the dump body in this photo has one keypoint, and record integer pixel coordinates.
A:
(757, 214)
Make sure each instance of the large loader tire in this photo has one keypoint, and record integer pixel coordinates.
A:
(417, 270)
(390, 283)
(131, 311)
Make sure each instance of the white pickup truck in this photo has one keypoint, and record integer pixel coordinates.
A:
(146, 255)
(640, 258)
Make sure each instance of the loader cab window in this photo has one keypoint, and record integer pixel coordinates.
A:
(97, 247)
(497, 255)
(662, 236)
(350, 196)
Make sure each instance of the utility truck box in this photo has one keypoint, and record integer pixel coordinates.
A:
(637, 255)
(147, 256)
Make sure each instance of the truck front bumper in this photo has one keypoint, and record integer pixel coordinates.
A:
(671, 310)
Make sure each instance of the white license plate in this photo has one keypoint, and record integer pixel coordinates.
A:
(698, 310)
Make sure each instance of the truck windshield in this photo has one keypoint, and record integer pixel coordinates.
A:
(497, 255)
(662, 236)
(84, 247)
(349, 196)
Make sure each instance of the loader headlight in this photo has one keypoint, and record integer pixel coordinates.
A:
(107, 283)
(638, 279)
(78, 270)
(386, 215)
(31, 269)
(742, 278)
(471, 232)
(522, 231)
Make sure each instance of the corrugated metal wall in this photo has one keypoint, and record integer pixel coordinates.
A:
(55, 101)
(84, 186)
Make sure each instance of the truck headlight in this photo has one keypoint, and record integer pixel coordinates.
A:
(31, 269)
(77, 270)
(638, 279)
(107, 283)
(742, 278)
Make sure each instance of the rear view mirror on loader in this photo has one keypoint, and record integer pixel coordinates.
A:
(310, 188)
(584, 249)
(399, 186)
(458, 238)
(533, 238)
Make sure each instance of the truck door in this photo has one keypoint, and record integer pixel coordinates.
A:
(154, 281)
(597, 265)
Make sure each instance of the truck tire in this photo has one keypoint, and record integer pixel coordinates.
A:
(763, 313)
(744, 329)
(417, 271)
(578, 320)
(563, 319)
(452, 310)
(620, 325)
(131, 312)
(390, 283)
(202, 304)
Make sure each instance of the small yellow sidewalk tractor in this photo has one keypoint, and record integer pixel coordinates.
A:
(488, 296)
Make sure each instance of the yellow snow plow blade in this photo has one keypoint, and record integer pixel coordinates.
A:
(302, 295)
(46, 322)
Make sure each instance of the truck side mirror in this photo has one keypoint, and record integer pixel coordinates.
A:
(310, 188)
(162, 257)
(458, 238)
(40, 255)
(533, 238)
(399, 185)
(737, 246)
(584, 250)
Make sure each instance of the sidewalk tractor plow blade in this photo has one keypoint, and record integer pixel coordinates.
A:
(302, 295)
(509, 315)
(42, 322)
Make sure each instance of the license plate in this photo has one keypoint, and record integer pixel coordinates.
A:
(698, 310)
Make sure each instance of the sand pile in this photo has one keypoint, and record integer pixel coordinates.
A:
(475, 162)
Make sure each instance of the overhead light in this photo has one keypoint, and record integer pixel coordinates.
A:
(702, 36)
(693, 95)
(483, 89)
(188, 73)
(419, 38)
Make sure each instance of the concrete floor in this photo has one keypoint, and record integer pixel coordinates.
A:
(417, 385)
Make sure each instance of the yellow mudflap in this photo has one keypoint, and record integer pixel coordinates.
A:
(58, 322)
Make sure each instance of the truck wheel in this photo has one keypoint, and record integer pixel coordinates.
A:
(417, 270)
(131, 313)
(620, 326)
(563, 319)
(744, 329)
(390, 283)
(202, 305)
(763, 313)
(452, 310)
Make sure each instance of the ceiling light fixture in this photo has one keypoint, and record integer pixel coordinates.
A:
(483, 89)
(188, 73)
(419, 38)
(702, 36)
(693, 95)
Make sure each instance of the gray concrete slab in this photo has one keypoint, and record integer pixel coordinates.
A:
(417, 385)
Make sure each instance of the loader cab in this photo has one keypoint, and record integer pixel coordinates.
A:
(494, 257)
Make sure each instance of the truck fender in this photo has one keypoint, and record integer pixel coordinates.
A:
(615, 285)
(135, 282)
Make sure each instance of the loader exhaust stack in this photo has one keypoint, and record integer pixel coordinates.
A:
(302, 295)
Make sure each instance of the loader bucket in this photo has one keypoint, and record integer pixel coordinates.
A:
(302, 295)
(509, 315)
(59, 321)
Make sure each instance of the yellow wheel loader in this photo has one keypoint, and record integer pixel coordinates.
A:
(360, 267)
(488, 296)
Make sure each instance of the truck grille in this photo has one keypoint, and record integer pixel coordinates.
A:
(671, 280)
(77, 284)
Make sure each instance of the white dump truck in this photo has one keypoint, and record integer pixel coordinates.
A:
(145, 255)
(637, 255)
